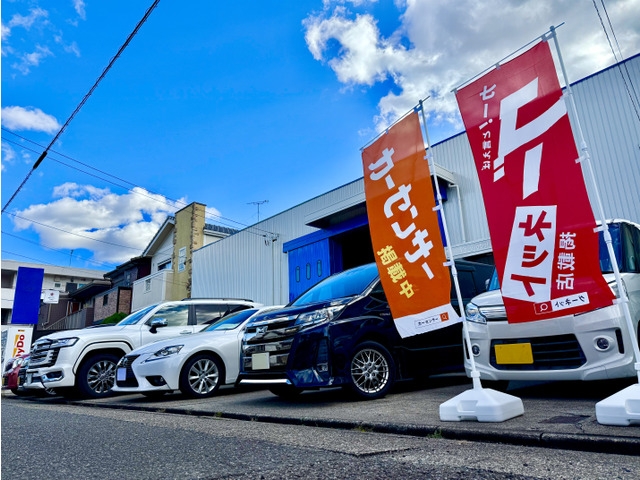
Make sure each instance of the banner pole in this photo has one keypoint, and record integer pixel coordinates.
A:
(480, 404)
(622, 408)
(475, 375)
(623, 301)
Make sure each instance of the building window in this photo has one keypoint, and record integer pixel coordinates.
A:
(7, 279)
(165, 265)
(308, 271)
(297, 274)
(56, 285)
(319, 268)
(105, 300)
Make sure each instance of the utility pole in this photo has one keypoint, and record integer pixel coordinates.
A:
(261, 202)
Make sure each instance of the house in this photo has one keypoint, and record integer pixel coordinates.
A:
(170, 253)
(118, 298)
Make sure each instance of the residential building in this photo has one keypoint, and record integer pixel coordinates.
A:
(170, 252)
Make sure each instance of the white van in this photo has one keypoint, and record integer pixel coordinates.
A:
(594, 345)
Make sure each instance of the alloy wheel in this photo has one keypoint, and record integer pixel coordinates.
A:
(102, 376)
(203, 376)
(370, 370)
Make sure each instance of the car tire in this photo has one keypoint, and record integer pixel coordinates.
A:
(372, 371)
(97, 375)
(286, 392)
(201, 376)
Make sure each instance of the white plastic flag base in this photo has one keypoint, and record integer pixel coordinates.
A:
(622, 408)
(481, 405)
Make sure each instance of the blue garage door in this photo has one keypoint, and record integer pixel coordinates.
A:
(310, 264)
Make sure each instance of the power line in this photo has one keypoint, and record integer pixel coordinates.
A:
(86, 97)
(57, 250)
(71, 233)
(619, 62)
(168, 201)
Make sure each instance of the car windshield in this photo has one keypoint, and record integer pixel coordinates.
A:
(346, 284)
(231, 321)
(136, 316)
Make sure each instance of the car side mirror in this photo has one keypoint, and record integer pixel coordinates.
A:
(157, 323)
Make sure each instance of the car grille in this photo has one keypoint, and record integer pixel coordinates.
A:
(42, 355)
(273, 336)
(559, 352)
(130, 380)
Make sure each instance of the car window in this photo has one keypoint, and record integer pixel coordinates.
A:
(206, 314)
(231, 321)
(616, 243)
(346, 284)
(136, 316)
(467, 285)
(175, 315)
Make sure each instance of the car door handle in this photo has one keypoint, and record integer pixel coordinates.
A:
(185, 332)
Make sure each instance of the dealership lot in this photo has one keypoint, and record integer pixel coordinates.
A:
(557, 415)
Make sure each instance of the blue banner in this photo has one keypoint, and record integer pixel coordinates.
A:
(26, 302)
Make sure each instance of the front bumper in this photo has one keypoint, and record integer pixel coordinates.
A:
(56, 372)
(301, 360)
(563, 348)
(135, 375)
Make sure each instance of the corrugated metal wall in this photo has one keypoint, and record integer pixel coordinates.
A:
(248, 264)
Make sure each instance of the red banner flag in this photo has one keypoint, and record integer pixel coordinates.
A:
(540, 219)
(404, 230)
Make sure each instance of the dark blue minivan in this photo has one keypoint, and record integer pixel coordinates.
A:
(340, 332)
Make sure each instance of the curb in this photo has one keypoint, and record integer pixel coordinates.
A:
(584, 442)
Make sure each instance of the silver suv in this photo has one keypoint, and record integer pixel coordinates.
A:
(84, 361)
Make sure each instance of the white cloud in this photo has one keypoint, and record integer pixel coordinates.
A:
(439, 45)
(6, 32)
(80, 8)
(26, 22)
(8, 155)
(32, 59)
(19, 118)
(128, 220)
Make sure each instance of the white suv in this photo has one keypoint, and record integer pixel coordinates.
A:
(84, 361)
(594, 345)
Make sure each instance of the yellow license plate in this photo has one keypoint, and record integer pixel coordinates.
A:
(514, 353)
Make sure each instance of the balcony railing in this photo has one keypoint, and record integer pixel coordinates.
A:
(81, 319)
(152, 289)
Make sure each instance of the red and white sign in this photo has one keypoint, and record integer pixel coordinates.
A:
(404, 230)
(540, 219)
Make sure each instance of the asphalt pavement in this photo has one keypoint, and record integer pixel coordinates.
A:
(557, 414)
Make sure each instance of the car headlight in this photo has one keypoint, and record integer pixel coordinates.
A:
(164, 353)
(317, 317)
(64, 342)
(613, 285)
(473, 314)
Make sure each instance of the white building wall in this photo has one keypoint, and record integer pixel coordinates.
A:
(163, 254)
(249, 264)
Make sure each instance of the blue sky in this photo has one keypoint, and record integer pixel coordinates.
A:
(227, 103)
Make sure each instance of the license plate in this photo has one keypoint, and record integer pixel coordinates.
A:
(514, 354)
(260, 361)
(121, 374)
(29, 376)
